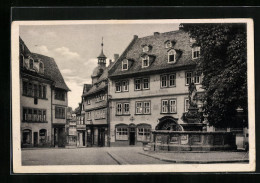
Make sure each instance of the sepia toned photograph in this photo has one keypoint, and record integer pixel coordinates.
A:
(133, 96)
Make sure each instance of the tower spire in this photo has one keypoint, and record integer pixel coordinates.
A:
(102, 57)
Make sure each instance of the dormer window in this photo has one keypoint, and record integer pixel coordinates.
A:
(31, 63)
(125, 64)
(172, 56)
(41, 67)
(145, 61)
(195, 52)
(146, 48)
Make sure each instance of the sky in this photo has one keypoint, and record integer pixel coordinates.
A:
(75, 47)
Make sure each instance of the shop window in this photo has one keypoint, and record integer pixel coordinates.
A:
(121, 133)
(43, 136)
(27, 137)
(144, 133)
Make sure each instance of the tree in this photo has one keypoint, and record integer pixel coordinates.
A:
(223, 63)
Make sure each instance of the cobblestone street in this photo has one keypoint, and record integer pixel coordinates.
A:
(123, 156)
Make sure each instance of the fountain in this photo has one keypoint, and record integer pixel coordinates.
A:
(192, 134)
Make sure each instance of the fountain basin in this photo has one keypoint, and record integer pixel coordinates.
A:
(164, 140)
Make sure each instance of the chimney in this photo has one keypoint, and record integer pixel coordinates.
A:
(110, 62)
(135, 36)
(116, 57)
(156, 33)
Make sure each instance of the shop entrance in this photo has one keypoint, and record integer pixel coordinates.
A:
(132, 136)
(101, 137)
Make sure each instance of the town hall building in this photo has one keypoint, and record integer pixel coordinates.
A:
(149, 84)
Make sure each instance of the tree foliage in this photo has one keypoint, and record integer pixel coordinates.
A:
(223, 63)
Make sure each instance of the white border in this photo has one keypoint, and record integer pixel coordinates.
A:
(18, 168)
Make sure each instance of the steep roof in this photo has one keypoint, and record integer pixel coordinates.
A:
(181, 45)
(51, 69)
(100, 84)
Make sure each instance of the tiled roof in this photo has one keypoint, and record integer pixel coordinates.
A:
(96, 88)
(157, 42)
(100, 84)
(51, 69)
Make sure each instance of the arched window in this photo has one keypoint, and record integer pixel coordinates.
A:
(41, 66)
(31, 63)
(172, 56)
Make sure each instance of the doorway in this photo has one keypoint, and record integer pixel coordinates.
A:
(101, 137)
(35, 139)
(132, 136)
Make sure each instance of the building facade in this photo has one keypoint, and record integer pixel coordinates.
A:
(95, 104)
(149, 87)
(43, 100)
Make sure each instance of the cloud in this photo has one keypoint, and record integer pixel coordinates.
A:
(42, 49)
(66, 71)
(65, 52)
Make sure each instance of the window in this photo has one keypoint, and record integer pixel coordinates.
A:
(186, 105)
(196, 79)
(126, 108)
(168, 44)
(41, 68)
(145, 48)
(34, 90)
(169, 106)
(195, 52)
(137, 84)
(60, 112)
(192, 77)
(143, 133)
(31, 63)
(100, 114)
(164, 81)
(146, 107)
(88, 101)
(124, 85)
(59, 94)
(100, 97)
(118, 87)
(172, 80)
(122, 133)
(34, 115)
(146, 83)
(145, 61)
(143, 107)
(122, 109)
(88, 115)
(171, 56)
(119, 109)
(142, 84)
(168, 80)
(125, 64)
(188, 78)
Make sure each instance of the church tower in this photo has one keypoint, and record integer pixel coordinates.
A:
(102, 58)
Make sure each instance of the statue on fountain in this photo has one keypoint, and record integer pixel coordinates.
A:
(192, 116)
